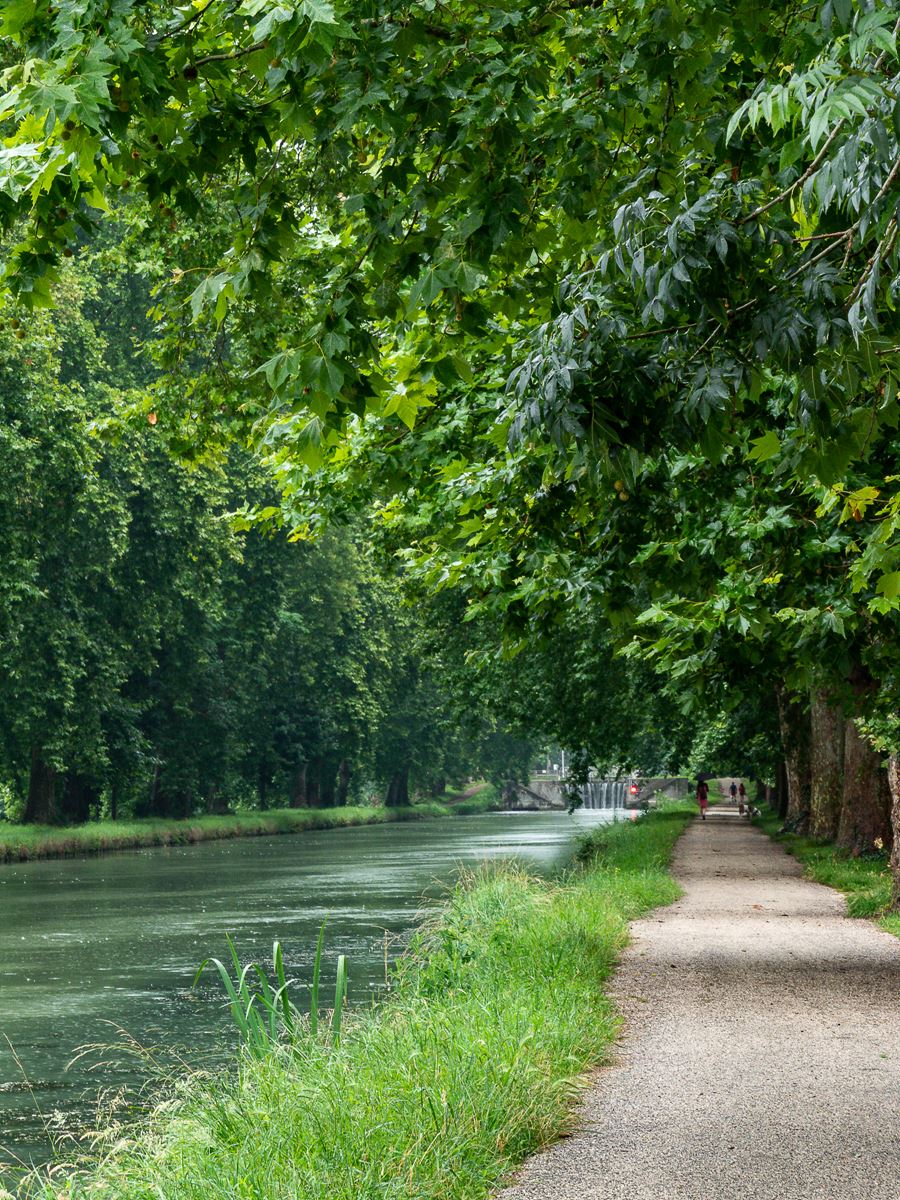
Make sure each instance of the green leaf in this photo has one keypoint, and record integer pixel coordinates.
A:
(424, 290)
(843, 10)
(889, 585)
(765, 447)
(318, 12)
(16, 15)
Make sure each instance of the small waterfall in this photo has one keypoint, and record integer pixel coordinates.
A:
(604, 793)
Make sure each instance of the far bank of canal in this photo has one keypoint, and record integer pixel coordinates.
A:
(96, 945)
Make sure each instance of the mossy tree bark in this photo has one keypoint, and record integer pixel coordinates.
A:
(866, 803)
(827, 766)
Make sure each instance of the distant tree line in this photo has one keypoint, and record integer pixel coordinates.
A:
(160, 656)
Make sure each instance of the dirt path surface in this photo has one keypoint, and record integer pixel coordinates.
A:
(761, 1053)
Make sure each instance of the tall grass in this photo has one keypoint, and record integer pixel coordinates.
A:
(21, 843)
(496, 1013)
(865, 881)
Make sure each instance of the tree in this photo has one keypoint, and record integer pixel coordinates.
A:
(672, 230)
(63, 534)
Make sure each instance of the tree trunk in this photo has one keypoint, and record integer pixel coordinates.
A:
(298, 788)
(398, 789)
(827, 759)
(793, 719)
(894, 781)
(780, 798)
(78, 796)
(328, 776)
(866, 802)
(40, 807)
(314, 783)
(153, 807)
(343, 783)
(216, 803)
(178, 805)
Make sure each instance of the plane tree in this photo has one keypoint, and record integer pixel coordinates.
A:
(666, 229)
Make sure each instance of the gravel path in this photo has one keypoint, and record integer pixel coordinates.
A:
(761, 1058)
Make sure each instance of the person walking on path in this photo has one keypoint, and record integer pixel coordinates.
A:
(703, 798)
(733, 790)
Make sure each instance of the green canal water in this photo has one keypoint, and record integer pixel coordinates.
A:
(102, 951)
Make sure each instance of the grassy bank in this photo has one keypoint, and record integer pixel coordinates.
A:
(866, 882)
(21, 843)
(472, 1064)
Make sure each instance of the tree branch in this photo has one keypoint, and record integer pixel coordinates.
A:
(229, 55)
(810, 170)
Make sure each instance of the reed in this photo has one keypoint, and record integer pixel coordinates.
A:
(263, 1014)
(340, 996)
(317, 975)
(262, 1010)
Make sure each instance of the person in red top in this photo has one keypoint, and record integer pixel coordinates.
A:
(703, 797)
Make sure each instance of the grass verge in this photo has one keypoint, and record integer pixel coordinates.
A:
(21, 843)
(866, 882)
(472, 1064)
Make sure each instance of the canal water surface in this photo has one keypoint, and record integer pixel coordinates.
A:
(102, 951)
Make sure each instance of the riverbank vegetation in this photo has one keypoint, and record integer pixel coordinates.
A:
(864, 879)
(22, 843)
(472, 1063)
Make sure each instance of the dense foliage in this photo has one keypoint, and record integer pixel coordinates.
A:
(156, 658)
(588, 310)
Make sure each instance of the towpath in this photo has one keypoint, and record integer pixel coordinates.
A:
(761, 1052)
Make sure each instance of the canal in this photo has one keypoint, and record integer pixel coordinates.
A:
(99, 954)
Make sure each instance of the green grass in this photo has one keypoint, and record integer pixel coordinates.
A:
(20, 843)
(472, 1064)
(865, 881)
